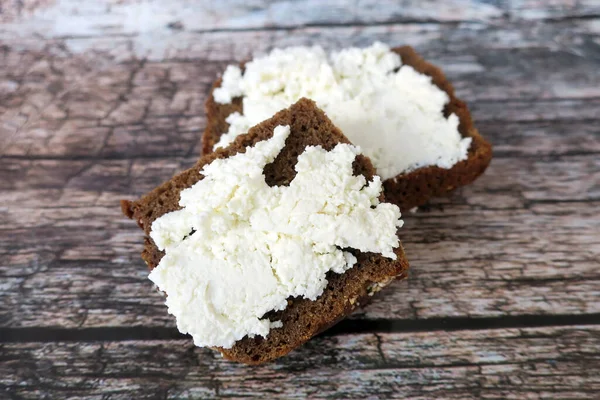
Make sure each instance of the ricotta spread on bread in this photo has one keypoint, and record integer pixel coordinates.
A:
(239, 248)
(394, 113)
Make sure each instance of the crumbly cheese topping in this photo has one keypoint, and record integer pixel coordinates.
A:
(239, 248)
(393, 112)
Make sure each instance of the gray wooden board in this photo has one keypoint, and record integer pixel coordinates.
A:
(534, 363)
(102, 18)
(99, 103)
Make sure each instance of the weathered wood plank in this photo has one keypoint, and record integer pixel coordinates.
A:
(54, 103)
(522, 240)
(463, 49)
(576, 132)
(537, 363)
(102, 18)
(573, 37)
(95, 18)
(525, 175)
(552, 9)
(160, 112)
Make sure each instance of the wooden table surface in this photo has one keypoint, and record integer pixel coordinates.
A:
(103, 100)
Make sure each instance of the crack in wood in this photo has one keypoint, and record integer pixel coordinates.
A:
(346, 327)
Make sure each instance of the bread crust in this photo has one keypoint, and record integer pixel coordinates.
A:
(406, 190)
(303, 318)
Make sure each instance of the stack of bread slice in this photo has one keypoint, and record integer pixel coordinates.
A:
(309, 126)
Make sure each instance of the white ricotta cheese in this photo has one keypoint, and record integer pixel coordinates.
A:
(393, 112)
(255, 245)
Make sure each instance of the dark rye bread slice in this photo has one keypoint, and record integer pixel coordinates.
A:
(407, 190)
(302, 319)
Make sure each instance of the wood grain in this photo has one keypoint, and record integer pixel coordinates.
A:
(102, 18)
(537, 363)
(54, 102)
(574, 38)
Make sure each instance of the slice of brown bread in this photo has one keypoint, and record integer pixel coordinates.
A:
(303, 318)
(407, 190)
